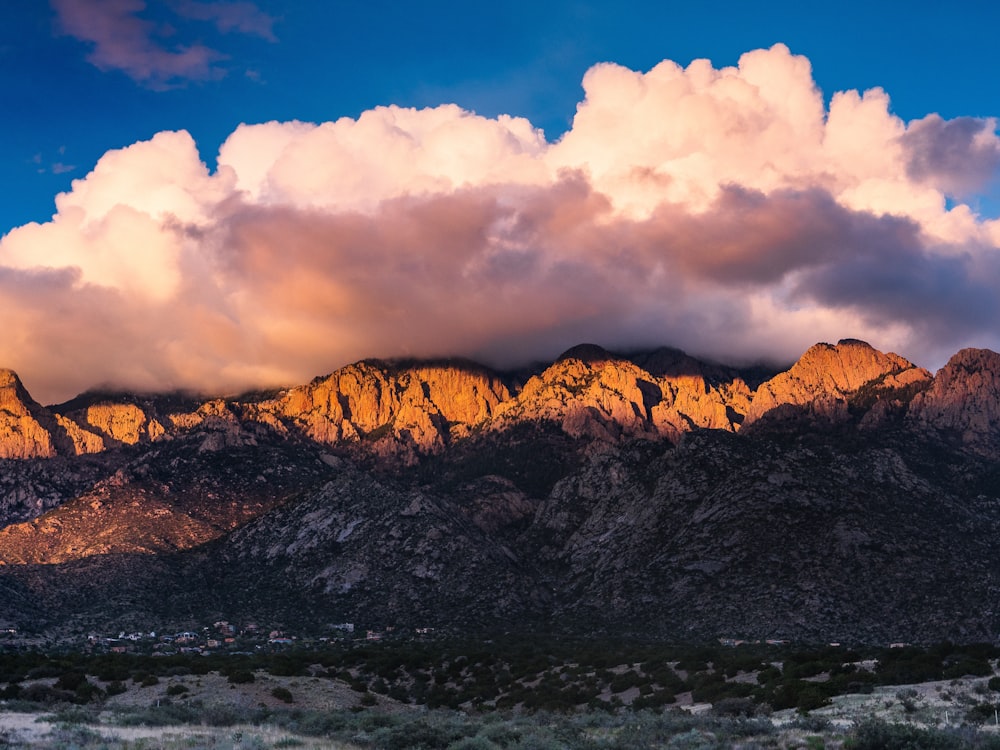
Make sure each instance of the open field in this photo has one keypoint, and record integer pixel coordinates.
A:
(716, 703)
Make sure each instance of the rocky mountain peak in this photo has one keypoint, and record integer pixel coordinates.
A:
(964, 400)
(591, 393)
(821, 384)
(597, 394)
(399, 407)
(14, 398)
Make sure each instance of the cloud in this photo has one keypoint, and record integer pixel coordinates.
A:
(959, 155)
(243, 17)
(125, 40)
(725, 211)
(55, 167)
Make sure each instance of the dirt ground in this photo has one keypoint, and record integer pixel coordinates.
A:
(20, 729)
(313, 693)
(928, 704)
(931, 704)
(308, 693)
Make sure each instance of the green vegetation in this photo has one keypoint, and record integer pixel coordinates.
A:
(520, 693)
(448, 730)
(530, 675)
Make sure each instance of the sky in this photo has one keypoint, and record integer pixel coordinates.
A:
(219, 195)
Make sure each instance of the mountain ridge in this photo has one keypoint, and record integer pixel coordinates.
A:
(406, 408)
(853, 495)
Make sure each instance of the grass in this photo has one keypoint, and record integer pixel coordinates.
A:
(479, 696)
(243, 728)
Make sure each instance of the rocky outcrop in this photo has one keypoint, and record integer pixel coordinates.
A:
(123, 423)
(824, 383)
(591, 393)
(596, 394)
(80, 441)
(696, 395)
(964, 401)
(399, 407)
(21, 433)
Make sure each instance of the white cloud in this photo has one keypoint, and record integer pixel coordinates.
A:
(724, 211)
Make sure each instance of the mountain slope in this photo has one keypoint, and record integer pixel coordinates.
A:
(852, 497)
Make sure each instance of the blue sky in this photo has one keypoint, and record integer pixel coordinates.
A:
(253, 192)
(332, 59)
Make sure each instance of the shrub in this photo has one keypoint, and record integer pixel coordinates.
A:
(10, 692)
(982, 713)
(86, 692)
(876, 735)
(76, 715)
(112, 674)
(810, 698)
(177, 690)
(158, 716)
(282, 694)
(967, 666)
(115, 688)
(44, 671)
(70, 680)
(38, 693)
(734, 707)
(240, 677)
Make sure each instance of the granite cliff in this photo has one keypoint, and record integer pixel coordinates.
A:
(408, 409)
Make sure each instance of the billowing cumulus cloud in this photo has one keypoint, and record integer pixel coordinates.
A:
(727, 211)
(124, 39)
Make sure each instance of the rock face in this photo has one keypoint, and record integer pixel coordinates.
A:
(821, 385)
(21, 433)
(964, 401)
(126, 424)
(396, 408)
(404, 410)
(593, 393)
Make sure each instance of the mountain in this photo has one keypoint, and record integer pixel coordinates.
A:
(853, 496)
(964, 401)
(828, 380)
